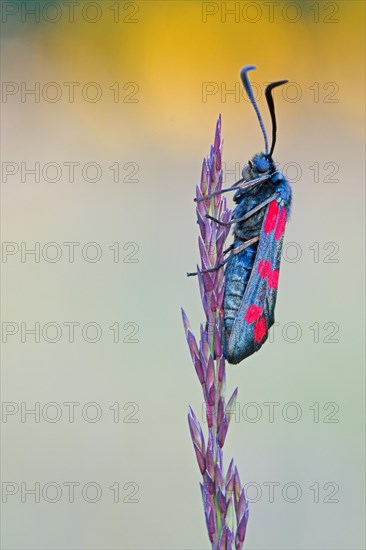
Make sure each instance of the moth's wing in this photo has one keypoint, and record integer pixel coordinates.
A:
(255, 315)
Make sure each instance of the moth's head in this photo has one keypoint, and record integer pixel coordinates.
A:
(260, 165)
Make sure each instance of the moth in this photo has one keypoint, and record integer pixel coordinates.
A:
(263, 199)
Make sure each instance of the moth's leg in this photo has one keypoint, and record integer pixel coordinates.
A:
(246, 244)
(231, 247)
(208, 270)
(218, 221)
(257, 208)
(236, 187)
(242, 246)
(248, 214)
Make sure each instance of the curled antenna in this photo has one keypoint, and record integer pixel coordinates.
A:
(272, 110)
(248, 89)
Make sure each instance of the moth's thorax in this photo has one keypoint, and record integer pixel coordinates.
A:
(272, 183)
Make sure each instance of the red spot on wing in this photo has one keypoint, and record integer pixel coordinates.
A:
(253, 313)
(271, 217)
(264, 268)
(265, 271)
(273, 278)
(280, 229)
(260, 330)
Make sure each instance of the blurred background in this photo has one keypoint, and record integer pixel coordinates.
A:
(108, 109)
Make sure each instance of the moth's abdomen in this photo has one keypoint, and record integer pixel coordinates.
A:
(237, 275)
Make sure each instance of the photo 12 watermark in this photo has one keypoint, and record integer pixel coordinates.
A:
(69, 11)
(292, 92)
(69, 252)
(271, 412)
(69, 412)
(71, 492)
(69, 92)
(318, 172)
(69, 171)
(248, 12)
(69, 332)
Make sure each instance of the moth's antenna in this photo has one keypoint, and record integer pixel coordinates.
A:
(271, 108)
(249, 91)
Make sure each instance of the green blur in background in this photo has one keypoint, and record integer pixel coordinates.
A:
(123, 110)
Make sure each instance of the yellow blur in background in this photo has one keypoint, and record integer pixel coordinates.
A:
(108, 109)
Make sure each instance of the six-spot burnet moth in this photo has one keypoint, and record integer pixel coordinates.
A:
(263, 198)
